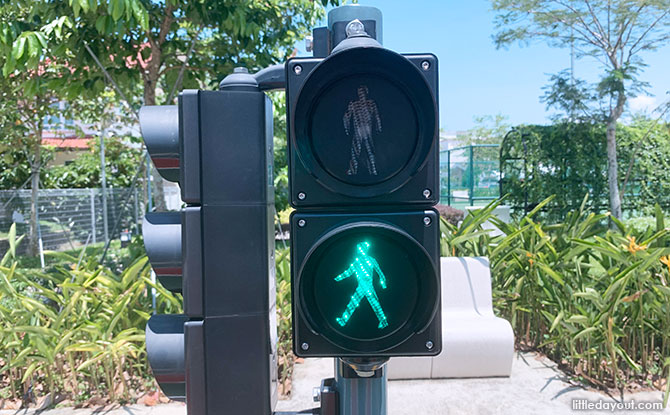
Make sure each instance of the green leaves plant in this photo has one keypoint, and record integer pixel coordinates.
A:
(76, 328)
(578, 291)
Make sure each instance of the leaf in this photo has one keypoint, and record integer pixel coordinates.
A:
(100, 23)
(660, 224)
(553, 274)
(19, 48)
(584, 333)
(29, 372)
(11, 238)
(556, 322)
(43, 331)
(578, 319)
(621, 352)
(118, 7)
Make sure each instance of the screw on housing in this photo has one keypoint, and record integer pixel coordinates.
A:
(301, 223)
(297, 69)
(425, 65)
(355, 28)
(426, 221)
(304, 346)
(429, 345)
(426, 193)
(302, 196)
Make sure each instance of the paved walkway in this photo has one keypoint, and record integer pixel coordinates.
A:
(535, 387)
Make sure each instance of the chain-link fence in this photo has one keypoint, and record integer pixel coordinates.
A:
(70, 218)
(469, 175)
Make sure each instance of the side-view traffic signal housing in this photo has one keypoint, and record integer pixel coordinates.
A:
(218, 251)
(363, 177)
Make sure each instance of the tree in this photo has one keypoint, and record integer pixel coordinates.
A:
(32, 44)
(163, 46)
(53, 50)
(488, 129)
(614, 32)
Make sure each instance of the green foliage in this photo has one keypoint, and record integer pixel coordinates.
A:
(648, 183)
(148, 40)
(77, 330)
(594, 299)
(280, 170)
(488, 129)
(569, 160)
(284, 313)
(612, 32)
(121, 164)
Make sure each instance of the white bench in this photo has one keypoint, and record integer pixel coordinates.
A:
(475, 343)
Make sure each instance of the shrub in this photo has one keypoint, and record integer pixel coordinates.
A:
(450, 214)
(597, 300)
(76, 331)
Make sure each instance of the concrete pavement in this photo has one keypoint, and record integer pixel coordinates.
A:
(535, 387)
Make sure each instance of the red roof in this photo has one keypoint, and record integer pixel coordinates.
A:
(66, 142)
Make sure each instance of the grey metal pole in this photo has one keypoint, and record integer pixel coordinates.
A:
(93, 215)
(361, 395)
(449, 177)
(103, 181)
(472, 176)
(137, 210)
(39, 230)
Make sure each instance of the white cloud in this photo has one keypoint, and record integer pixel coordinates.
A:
(643, 103)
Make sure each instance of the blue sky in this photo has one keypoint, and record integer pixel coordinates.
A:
(476, 79)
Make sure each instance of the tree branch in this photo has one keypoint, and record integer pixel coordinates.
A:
(111, 80)
(643, 35)
(180, 76)
(583, 24)
(597, 23)
(624, 26)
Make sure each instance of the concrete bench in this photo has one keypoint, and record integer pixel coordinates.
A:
(475, 343)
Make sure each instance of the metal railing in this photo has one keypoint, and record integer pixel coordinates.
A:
(469, 175)
(70, 218)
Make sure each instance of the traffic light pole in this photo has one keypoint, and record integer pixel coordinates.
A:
(362, 386)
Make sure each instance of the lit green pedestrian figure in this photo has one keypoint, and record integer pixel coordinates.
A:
(364, 267)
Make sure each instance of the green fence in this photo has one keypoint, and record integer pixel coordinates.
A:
(470, 175)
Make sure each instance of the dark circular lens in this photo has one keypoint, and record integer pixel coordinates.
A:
(367, 287)
(363, 130)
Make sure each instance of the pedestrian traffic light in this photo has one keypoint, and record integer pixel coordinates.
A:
(363, 177)
(365, 283)
(220, 355)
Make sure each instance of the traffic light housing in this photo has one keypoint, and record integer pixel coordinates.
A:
(340, 308)
(324, 97)
(363, 176)
(218, 251)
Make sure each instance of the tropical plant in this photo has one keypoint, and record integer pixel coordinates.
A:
(77, 331)
(284, 313)
(596, 300)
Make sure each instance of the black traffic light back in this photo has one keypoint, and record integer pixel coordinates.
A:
(160, 130)
(162, 239)
(218, 251)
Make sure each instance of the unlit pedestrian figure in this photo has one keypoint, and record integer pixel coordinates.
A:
(362, 114)
(364, 267)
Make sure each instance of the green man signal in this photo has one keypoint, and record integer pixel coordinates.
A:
(364, 267)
